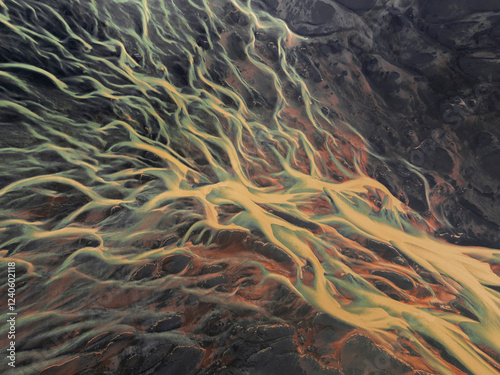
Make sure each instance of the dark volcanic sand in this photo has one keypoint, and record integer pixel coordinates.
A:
(273, 187)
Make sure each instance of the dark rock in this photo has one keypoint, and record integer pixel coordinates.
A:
(323, 319)
(428, 277)
(379, 144)
(268, 354)
(384, 250)
(428, 147)
(357, 254)
(144, 272)
(213, 282)
(463, 309)
(192, 300)
(483, 139)
(270, 332)
(321, 12)
(400, 280)
(282, 364)
(273, 51)
(361, 355)
(316, 18)
(182, 360)
(311, 366)
(415, 190)
(237, 17)
(293, 219)
(215, 327)
(437, 11)
(137, 57)
(272, 4)
(179, 71)
(445, 354)
(175, 263)
(213, 268)
(154, 356)
(322, 342)
(236, 46)
(418, 204)
(282, 346)
(271, 251)
(390, 291)
(219, 72)
(168, 324)
(203, 42)
(417, 157)
(99, 342)
(481, 67)
(243, 349)
(226, 237)
(442, 161)
(466, 34)
(289, 364)
(358, 4)
(490, 163)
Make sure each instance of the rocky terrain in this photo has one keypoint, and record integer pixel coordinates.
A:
(299, 187)
(420, 79)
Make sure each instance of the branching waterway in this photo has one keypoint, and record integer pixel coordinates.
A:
(144, 141)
